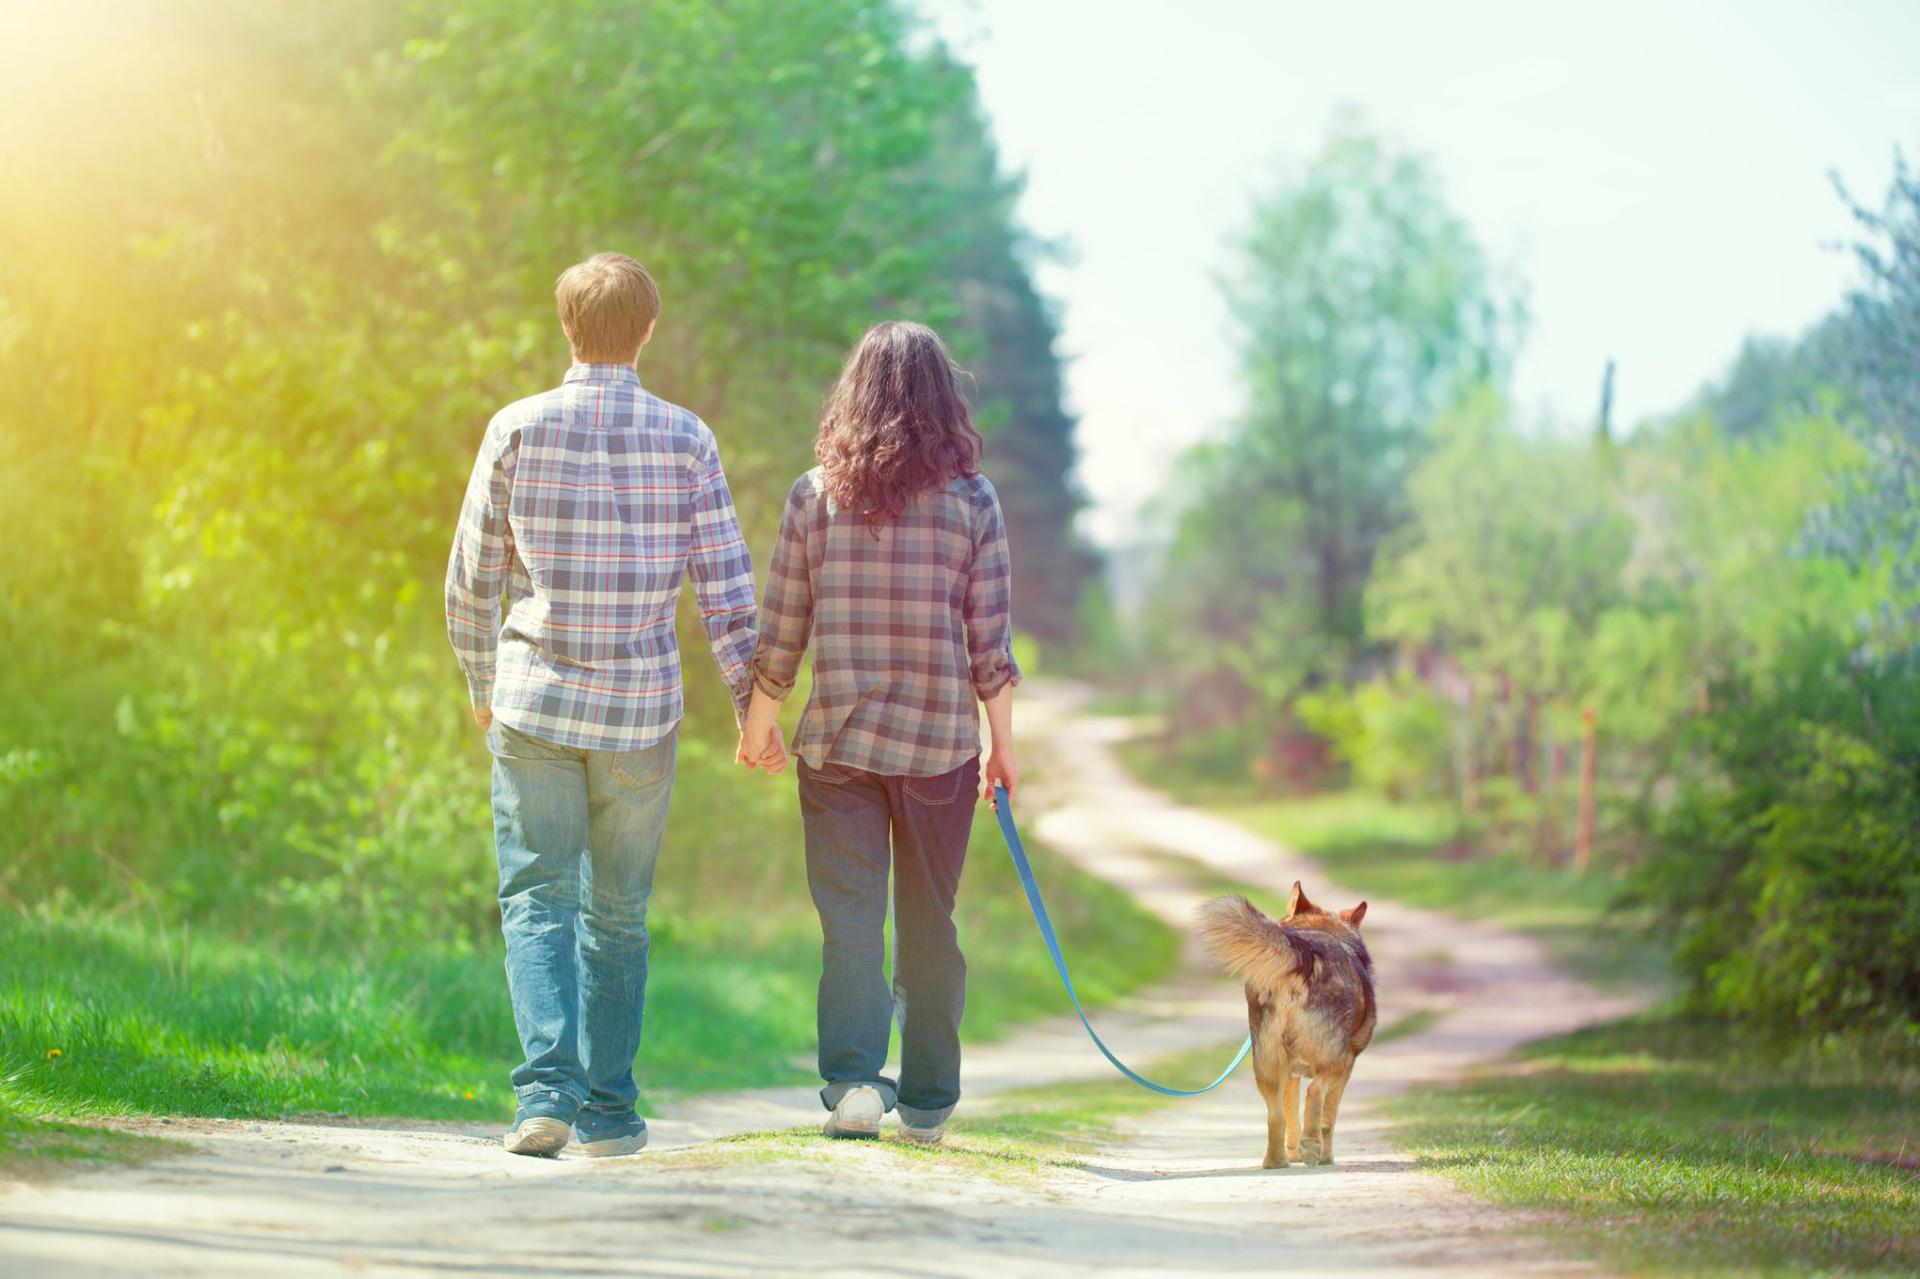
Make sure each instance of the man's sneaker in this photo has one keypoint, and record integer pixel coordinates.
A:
(923, 1134)
(541, 1135)
(608, 1136)
(857, 1114)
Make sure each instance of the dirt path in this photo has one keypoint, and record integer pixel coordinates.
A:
(1180, 1193)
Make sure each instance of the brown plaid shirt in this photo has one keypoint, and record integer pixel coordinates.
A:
(908, 628)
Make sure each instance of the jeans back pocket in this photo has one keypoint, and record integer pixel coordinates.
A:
(941, 789)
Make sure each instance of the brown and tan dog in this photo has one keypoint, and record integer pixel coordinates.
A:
(1310, 1008)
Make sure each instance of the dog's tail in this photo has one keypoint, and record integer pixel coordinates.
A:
(1250, 946)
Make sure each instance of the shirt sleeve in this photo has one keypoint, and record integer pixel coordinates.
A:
(989, 606)
(722, 570)
(477, 568)
(786, 614)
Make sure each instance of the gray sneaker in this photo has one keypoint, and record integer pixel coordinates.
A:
(857, 1114)
(540, 1135)
(924, 1135)
(608, 1137)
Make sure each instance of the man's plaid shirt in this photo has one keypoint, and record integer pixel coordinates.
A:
(588, 505)
(907, 627)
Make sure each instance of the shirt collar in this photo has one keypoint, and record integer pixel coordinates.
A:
(603, 373)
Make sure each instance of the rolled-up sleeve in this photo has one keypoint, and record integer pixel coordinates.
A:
(786, 611)
(989, 608)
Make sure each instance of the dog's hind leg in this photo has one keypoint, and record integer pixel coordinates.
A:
(1310, 1149)
(1330, 1109)
(1290, 1108)
(1267, 1073)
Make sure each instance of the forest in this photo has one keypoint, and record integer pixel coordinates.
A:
(280, 266)
(1675, 657)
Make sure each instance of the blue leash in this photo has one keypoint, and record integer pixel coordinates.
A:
(1004, 811)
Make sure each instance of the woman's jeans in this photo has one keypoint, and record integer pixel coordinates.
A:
(857, 823)
(578, 833)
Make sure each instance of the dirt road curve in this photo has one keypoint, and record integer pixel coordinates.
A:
(1180, 1193)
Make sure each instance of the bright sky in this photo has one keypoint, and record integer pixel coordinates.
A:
(1657, 171)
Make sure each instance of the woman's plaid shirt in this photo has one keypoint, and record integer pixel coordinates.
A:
(908, 627)
(588, 506)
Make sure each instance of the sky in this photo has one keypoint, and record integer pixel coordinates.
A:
(1658, 174)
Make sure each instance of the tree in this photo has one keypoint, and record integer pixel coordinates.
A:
(1363, 306)
(1877, 525)
(279, 266)
(1776, 379)
(1007, 334)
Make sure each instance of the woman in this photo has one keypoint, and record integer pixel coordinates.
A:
(892, 561)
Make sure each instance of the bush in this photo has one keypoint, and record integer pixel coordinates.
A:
(1392, 733)
(1791, 864)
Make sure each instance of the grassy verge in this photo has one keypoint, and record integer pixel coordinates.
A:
(30, 1147)
(103, 1014)
(1670, 1147)
(1661, 1145)
(1405, 851)
(1021, 1134)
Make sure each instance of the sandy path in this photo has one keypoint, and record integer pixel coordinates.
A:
(1181, 1193)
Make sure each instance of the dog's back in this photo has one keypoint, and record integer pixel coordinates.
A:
(1311, 973)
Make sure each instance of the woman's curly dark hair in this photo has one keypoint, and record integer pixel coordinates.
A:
(895, 424)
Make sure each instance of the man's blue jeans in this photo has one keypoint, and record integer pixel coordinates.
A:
(578, 834)
(859, 826)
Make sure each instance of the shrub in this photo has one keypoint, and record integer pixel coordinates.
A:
(1790, 864)
(1392, 733)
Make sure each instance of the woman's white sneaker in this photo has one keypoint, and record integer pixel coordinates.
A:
(857, 1114)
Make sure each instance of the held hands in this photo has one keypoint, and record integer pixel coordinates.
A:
(762, 747)
(999, 769)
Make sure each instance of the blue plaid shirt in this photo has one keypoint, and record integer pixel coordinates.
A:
(588, 505)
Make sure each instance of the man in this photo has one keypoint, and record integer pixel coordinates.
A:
(588, 505)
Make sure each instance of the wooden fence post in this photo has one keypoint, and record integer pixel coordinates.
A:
(1589, 775)
(1552, 794)
(1460, 690)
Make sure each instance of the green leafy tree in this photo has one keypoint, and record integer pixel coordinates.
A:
(1364, 306)
(1877, 525)
(1774, 380)
(1008, 333)
(279, 267)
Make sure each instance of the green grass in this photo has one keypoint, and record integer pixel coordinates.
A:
(1414, 1023)
(155, 1022)
(31, 1146)
(1408, 852)
(1020, 1135)
(1672, 1148)
(1404, 852)
(1663, 1146)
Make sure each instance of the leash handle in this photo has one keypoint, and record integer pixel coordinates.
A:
(1003, 809)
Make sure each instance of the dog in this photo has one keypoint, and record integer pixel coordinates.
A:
(1310, 1010)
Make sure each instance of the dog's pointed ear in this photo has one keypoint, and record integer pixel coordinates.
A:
(1354, 914)
(1297, 901)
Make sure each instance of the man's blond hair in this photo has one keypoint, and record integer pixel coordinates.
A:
(606, 305)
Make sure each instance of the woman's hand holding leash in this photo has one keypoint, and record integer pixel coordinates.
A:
(1000, 769)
